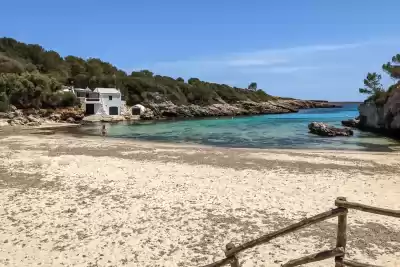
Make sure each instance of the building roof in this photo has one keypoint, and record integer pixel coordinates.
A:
(107, 91)
(82, 90)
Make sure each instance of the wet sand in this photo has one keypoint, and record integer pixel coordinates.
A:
(91, 201)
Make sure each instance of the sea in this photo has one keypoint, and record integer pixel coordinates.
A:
(287, 131)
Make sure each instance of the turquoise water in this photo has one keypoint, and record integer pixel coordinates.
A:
(266, 131)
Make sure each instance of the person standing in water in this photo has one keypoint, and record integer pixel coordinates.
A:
(103, 130)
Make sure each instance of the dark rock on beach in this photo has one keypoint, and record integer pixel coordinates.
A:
(323, 129)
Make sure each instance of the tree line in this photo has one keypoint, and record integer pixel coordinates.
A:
(373, 86)
(31, 77)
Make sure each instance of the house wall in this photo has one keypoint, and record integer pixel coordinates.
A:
(97, 108)
(115, 102)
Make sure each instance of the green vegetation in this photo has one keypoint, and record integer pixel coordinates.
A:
(252, 86)
(31, 76)
(393, 68)
(372, 83)
(373, 86)
(33, 90)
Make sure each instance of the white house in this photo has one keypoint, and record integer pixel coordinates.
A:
(103, 101)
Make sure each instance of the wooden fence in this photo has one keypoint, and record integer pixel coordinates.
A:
(231, 252)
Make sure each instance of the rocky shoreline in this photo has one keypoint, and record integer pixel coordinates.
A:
(379, 118)
(37, 117)
(157, 111)
(167, 109)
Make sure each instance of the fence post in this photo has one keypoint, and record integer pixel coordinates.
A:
(341, 235)
(235, 261)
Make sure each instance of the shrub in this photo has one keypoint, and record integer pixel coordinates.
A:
(69, 99)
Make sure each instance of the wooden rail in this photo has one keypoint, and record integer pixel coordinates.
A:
(357, 264)
(356, 206)
(320, 256)
(341, 211)
(289, 229)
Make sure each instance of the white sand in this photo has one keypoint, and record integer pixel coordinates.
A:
(69, 201)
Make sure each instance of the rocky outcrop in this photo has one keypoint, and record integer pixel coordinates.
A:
(167, 109)
(353, 123)
(147, 115)
(35, 117)
(307, 104)
(384, 118)
(323, 129)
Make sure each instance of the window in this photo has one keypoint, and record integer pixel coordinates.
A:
(110, 97)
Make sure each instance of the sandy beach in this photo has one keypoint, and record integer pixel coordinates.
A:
(92, 201)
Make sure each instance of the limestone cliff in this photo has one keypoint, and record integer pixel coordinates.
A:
(382, 118)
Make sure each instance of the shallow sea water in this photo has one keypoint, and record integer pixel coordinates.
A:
(265, 131)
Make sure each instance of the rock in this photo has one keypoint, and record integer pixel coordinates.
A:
(18, 113)
(351, 123)
(13, 108)
(147, 115)
(70, 120)
(19, 120)
(76, 114)
(391, 111)
(55, 117)
(383, 118)
(33, 123)
(31, 111)
(44, 112)
(4, 115)
(16, 121)
(31, 118)
(306, 104)
(371, 116)
(3, 122)
(323, 129)
(11, 115)
(170, 110)
(163, 108)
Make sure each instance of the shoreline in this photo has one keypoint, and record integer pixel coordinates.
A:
(62, 131)
(75, 131)
(167, 109)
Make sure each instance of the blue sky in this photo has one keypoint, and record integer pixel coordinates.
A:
(309, 49)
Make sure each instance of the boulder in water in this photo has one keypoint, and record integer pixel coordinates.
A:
(351, 123)
(324, 129)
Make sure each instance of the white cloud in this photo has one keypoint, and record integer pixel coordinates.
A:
(280, 69)
(247, 62)
(281, 58)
